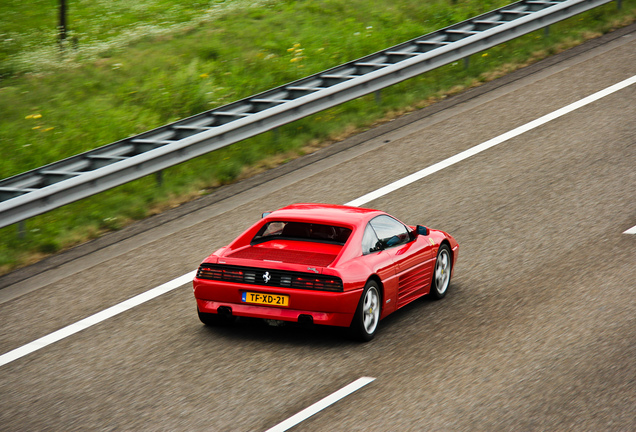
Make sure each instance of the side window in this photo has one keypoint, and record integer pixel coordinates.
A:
(274, 228)
(390, 232)
(370, 242)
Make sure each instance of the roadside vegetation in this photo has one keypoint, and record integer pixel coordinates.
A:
(125, 69)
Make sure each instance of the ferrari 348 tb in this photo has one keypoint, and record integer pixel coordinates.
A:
(325, 264)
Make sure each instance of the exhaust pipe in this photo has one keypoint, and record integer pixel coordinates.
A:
(305, 319)
(225, 312)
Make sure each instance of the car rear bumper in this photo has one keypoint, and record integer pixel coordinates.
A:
(282, 314)
(326, 308)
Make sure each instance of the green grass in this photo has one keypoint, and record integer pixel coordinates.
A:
(132, 69)
(29, 35)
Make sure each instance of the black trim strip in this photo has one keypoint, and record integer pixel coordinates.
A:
(268, 277)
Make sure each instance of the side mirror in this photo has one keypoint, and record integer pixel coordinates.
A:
(265, 214)
(422, 230)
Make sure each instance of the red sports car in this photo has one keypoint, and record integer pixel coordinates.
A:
(325, 264)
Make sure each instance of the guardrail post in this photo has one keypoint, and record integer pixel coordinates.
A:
(466, 62)
(159, 177)
(378, 97)
(619, 4)
(546, 32)
(21, 230)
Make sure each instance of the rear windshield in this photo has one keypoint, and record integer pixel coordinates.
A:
(302, 231)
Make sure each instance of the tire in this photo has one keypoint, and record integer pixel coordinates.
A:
(367, 316)
(441, 273)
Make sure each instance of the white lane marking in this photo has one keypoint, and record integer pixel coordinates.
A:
(96, 318)
(182, 280)
(320, 405)
(490, 143)
(632, 230)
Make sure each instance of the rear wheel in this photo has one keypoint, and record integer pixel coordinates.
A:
(365, 322)
(442, 273)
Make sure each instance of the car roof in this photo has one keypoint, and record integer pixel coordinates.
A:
(324, 213)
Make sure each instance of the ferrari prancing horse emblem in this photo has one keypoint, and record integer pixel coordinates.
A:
(267, 277)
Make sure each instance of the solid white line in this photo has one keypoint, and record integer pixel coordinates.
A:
(96, 318)
(182, 280)
(632, 230)
(490, 143)
(321, 405)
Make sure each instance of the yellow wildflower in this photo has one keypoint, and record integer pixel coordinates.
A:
(204, 75)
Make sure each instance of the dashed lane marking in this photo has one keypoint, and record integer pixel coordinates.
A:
(321, 405)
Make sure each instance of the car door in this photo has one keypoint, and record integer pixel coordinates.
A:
(412, 256)
(382, 264)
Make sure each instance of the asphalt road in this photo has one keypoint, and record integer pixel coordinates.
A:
(538, 331)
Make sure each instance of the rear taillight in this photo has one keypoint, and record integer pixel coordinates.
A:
(316, 283)
(220, 274)
(269, 277)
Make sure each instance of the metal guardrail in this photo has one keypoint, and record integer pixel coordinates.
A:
(43, 189)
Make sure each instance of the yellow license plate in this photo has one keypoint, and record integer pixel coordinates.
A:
(266, 299)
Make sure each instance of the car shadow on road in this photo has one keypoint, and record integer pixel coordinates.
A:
(250, 330)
